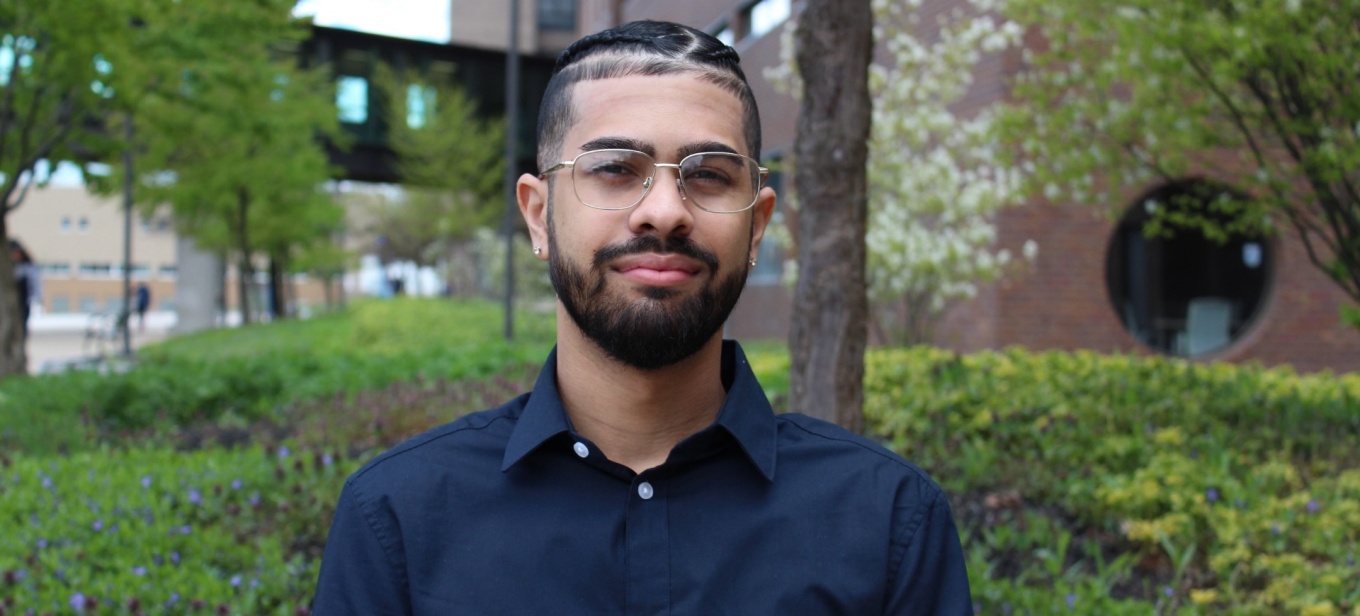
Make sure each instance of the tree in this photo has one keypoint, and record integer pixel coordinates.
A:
(51, 98)
(1258, 96)
(451, 163)
(936, 181)
(231, 134)
(828, 335)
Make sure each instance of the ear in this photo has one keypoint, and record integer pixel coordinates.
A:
(532, 194)
(762, 211)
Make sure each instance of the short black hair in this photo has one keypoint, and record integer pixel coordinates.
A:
(641, 48)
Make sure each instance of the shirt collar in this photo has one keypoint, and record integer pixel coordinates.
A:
(745, 414)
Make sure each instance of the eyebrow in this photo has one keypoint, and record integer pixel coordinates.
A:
(618, 143)
(626, 143)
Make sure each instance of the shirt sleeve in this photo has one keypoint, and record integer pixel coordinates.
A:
(930, 577)
(363, 570)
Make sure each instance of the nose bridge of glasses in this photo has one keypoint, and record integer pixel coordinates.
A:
(679, 181)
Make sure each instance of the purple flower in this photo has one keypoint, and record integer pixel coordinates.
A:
(1211, 495)
(284, 451)
(1274, 528)
(146, 481)
(174, 559)
(46, 482)
(195, 497)
(77, 602)
(174, 598)
(98, 525)
(1071, 601)
(1168, 591)
(42, 544)
(186, 529)
(1313, 506)
(327, 460)
(236, 581)
(139, 571)
(236, 484)
(255, 499)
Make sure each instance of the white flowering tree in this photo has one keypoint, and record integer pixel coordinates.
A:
(1259, 96)
(935, 180)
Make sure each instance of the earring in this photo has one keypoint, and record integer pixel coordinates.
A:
(753, 262)
(537, 251)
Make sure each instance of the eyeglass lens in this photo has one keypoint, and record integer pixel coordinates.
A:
(617, 179)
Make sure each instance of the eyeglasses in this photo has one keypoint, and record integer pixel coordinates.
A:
(718, 182)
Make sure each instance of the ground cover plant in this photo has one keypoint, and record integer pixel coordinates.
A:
(1082, 483)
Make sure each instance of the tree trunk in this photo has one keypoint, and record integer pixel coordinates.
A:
(13, 351)
(245, 272)
(278, 289)
(830, 307)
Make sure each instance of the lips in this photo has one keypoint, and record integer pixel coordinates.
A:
(657, 269)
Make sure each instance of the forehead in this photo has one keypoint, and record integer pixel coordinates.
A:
(666, 112)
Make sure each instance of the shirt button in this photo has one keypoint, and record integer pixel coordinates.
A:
(581, 449)
(645, 490)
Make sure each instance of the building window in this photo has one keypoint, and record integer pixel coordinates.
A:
(167, 271)
(557, 15)
(141, 270)
(65, 224)
(96, 270)
(420, 102)
(351, 99)
(1179, 291)
(763, 16)
(55, 269)
(725, 34)
(83, 225)
(61, 304)
(88, 304)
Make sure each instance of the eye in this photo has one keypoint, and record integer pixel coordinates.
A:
(613, 167)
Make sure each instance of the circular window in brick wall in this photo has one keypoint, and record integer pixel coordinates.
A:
(1176, 288)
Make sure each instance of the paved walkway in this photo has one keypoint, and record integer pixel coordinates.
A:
(56, 341)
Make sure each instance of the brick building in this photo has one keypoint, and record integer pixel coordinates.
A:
(1097, 283)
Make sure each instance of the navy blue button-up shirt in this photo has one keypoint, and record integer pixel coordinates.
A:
(509, 511)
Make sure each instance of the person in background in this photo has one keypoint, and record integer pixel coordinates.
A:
(27, 283)
(143, 304)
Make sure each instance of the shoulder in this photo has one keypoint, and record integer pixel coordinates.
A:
(829, 448)
(473, 440)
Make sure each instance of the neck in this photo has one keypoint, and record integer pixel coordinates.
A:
(636, 416)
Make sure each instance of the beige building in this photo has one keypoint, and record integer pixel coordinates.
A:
(545, 26)
(77, 241)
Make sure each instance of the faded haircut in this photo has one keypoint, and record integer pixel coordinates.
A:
(640, 48)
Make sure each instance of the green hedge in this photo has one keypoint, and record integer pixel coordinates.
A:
(1235, 488)
(244, 374)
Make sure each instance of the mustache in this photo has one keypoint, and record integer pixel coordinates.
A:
(650, 243)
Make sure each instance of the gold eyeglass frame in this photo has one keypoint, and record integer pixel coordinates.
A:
(647, 184)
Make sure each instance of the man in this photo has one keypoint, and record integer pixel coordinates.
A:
(646, 473)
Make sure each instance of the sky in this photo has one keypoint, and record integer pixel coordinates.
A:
(426, 20)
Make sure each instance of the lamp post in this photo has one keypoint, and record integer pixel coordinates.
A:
(125, 317)
(511, 156)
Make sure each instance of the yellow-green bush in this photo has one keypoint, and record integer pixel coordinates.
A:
(1244, 481)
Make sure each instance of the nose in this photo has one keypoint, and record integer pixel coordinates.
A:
(663, 211)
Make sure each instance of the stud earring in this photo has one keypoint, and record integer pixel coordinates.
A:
(537, 251)
(753, 262)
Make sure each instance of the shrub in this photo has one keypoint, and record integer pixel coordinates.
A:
(1237, 487)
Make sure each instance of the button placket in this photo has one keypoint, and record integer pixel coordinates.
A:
(648, 546)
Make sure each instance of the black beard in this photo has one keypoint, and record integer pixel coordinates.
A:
(654, 332)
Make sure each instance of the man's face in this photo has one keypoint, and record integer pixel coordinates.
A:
(653, 284)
